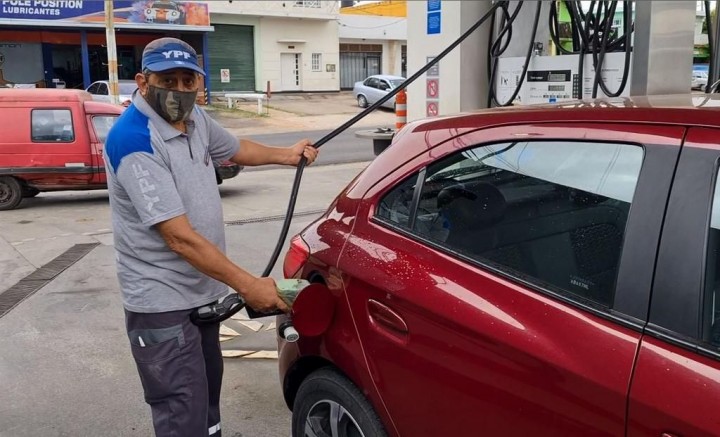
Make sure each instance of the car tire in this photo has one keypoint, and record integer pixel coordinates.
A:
(362, 101)
(326, 391)
(10, 193)
(28, 192)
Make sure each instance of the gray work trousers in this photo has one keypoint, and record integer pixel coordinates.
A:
(180, 366)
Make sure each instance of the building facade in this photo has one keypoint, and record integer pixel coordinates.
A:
(373, 40)
(286, 46)
(63, 43)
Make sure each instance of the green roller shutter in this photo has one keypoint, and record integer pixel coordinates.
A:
(231, 47)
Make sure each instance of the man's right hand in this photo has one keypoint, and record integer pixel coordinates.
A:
(262, 296)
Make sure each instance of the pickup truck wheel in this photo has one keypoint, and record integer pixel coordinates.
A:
(10, 193)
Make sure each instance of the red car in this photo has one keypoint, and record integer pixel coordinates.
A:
(521, 271)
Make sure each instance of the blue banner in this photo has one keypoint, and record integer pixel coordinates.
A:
(54, 9)
(433, 23)
(433, 5)
(125, 11)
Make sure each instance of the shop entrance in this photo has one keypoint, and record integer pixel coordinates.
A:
(67, 64)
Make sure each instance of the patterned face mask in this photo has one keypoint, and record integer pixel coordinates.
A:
(171, 105)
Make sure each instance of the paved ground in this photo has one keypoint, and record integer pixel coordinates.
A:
(290, 113)
(65, 367)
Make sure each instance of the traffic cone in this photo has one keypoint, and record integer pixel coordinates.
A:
(400, 109)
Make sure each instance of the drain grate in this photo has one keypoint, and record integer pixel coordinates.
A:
(272, 218)
(36, 280)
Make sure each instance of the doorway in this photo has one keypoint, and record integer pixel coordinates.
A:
(290, 71)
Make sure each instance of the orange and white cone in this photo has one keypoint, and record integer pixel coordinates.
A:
(400, 109)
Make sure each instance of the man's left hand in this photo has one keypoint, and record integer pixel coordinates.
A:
(300, 149)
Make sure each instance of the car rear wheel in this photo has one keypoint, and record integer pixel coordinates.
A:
(329, 405)
(10, 193)
(362, 101)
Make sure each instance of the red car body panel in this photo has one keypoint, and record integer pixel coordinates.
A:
(76, 164)
(444, 347)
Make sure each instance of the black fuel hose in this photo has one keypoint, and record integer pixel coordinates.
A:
(352, 121)
(232, 303)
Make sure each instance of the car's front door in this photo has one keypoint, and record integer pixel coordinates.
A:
(99, 126)
(676, 382)
(499, 287)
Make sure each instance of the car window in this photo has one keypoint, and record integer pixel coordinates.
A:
(93, 88)
(102, 125)
(551, 213)
(52, 126)
(373, 82)
(127, 88)
(383, 85)
(711, 301)
(396, 82)
(102, 89)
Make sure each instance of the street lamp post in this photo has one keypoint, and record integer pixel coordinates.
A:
(111, 53)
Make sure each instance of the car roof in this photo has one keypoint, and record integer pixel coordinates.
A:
(386, 76)
(43, 95)
(119, 81)
(679, 109)
(93, 107)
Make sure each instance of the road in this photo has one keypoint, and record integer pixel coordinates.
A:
(344, 148)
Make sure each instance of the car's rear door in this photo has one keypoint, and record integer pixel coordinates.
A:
(676, 382)
(503, 316)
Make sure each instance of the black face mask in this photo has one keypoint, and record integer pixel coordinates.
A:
(171, 105)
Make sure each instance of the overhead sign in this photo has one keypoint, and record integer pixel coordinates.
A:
(78, 11)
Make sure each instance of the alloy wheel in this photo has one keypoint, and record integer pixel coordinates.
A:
(330, 419)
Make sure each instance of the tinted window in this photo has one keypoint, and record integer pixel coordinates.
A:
(102, 125)
(551, 213)
(52, 125)
(93, 88)
(711, 305)
(102, 89)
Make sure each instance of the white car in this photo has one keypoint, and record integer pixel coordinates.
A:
(699, 79)
(100, 91)
(375, 88)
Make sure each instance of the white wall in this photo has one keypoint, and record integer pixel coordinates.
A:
(278, 35)
(328, 9)
(463, 72)
(308, 36)
(23, 62)
(372, 27)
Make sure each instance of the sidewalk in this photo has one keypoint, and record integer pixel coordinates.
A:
(296, 112)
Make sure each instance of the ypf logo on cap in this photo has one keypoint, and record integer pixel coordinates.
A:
(168, 54)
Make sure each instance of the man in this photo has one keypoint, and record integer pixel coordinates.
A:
(169, 236)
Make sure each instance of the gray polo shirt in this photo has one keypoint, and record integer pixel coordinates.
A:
(155, 173)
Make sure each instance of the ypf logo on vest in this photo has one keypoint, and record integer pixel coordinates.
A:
(177, 54)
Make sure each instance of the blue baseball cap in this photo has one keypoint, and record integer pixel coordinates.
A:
(168, 54)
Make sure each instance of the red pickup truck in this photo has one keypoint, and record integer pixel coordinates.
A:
(52, 140)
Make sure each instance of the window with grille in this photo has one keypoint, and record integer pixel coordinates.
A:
(316, 61)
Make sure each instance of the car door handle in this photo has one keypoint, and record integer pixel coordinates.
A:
(387, 318)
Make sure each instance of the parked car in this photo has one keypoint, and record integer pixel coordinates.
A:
(699, 79)
(375, 88)
(100, 91)
(55, 142)
(520, 271)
